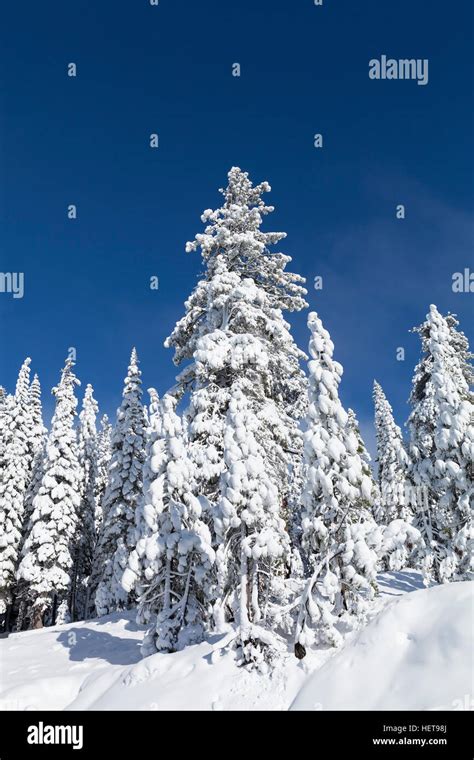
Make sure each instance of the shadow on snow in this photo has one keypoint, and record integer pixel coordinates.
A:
(88, 643)
(403, 581)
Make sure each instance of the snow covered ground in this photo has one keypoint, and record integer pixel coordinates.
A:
(415, 653)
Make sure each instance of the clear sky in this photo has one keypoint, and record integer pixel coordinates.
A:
(168, 69)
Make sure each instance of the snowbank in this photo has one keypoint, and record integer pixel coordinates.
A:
(415, 655)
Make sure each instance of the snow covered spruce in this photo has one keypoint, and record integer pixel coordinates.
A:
(242, 500)
(18, 443)
(241, 355)
(340, 536)
(394, 507)
(116, 537)
(49, 550)
(173, 555)
(86, 538)
(442, 450)
(392, 461)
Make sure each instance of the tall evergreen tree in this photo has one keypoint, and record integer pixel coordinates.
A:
(366, 459)
(251, 533)
(38, 430)
(173, 553)
(36, 445)
(149, 505)
(442, 449)
(6, 401)
(392, 461)
(460, 346)
(3, 409)
(104, 453)
(117, 536)
(235, 339)
(47, 556)
(15, 475)
(340, 536)
(86, 535)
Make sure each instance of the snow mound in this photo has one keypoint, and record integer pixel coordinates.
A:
(48, 668)
(415, 655)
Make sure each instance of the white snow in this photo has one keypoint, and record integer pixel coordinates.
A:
(416, 653)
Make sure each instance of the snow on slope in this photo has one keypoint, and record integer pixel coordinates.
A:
(415, 653)
(46, 669)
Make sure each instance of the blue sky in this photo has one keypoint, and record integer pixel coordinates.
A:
(168, 69)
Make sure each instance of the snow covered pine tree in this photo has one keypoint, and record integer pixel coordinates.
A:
(401, 540)
(250, 531)
(242, 357)
(15, 472)
(392, 461)
(47, 556)
(86, 535)
(104, 452)
(38, 430)
(340, 536)
(442, 449)
(173, 555)
(117, 536)
(366, 459)
(37, 449)
(141, 567)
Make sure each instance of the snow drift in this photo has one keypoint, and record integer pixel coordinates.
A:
(415, 655)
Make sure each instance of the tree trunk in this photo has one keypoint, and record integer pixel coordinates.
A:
(8, 617)
(256, 616)
(73, 594)
(244, 616)
(37, 621)
(167, 589)
(86, 604)
(54, 610)
(21, 616)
